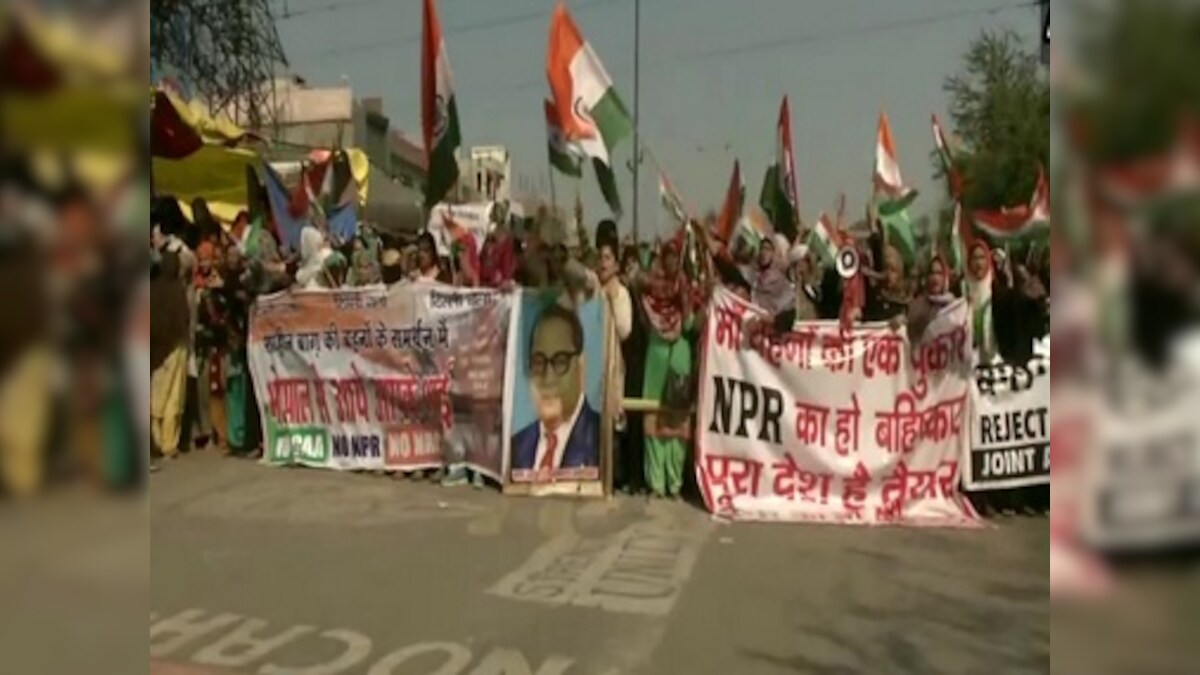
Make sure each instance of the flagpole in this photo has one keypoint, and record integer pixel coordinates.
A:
(637, 27)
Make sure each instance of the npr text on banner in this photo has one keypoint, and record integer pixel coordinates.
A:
(823, 425)
(404, 378)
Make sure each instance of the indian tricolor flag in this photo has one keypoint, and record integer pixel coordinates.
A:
(439, 112)
(823, 240)
(1021, 222)
(591, 113)
(671, 200)
(890, 189)
(892, 195)
(780, 196)
(565, 156)
(946, 155)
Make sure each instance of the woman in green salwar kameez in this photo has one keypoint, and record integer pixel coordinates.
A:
(667, 301)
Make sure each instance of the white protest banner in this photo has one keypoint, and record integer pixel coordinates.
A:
(404, 378)
(828, 426)
(1142, 471)
(1010, 427)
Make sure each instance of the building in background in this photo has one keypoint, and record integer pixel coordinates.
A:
(308, 117)
(490, 175)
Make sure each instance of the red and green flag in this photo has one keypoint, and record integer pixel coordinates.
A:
(1026, 221)
(731, 211)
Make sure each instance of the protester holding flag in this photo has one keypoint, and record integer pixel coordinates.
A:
(889, 297)
(805, 280)
(771, 289)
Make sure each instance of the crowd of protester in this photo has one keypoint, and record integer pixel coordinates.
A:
(205, 279)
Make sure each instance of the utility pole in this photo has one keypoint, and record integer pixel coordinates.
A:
(637, 151)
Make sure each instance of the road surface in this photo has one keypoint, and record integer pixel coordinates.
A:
(287, 571)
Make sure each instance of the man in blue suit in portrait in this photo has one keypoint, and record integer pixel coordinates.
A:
(566, 433)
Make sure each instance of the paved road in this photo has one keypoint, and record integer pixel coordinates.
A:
(286, 571)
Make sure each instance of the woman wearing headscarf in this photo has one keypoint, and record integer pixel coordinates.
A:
(314, 254)
(934, 297)
(667, 302)
(980, 277)
(889, 297)
(498, 260)
(170, 324)
(772, 291)
(365, 262)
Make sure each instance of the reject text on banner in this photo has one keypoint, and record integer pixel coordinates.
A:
(1010, 427)
(822, 425)
(404, 378)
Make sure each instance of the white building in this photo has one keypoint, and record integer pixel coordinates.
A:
(490, 172)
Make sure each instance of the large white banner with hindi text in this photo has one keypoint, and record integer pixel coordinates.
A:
(822, 425)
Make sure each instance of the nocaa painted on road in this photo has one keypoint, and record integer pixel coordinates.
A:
(252, 645)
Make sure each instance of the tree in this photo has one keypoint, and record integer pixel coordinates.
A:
(1138, 59)
(1000, 110)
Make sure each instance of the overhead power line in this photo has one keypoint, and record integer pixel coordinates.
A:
(825, 36)
(286, 12)
(455, 30)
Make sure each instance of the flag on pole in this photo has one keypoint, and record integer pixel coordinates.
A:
(890, 188)
(1021, 222)
(946, 154)
(589, 110)
(439, 110)
(958, 250)
(779, 194)
(671, 200)
(823, 240)
(892, 196)
(288, 222)
(565, 156)
(731, 211)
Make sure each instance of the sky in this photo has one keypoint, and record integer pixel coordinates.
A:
(712, 75)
